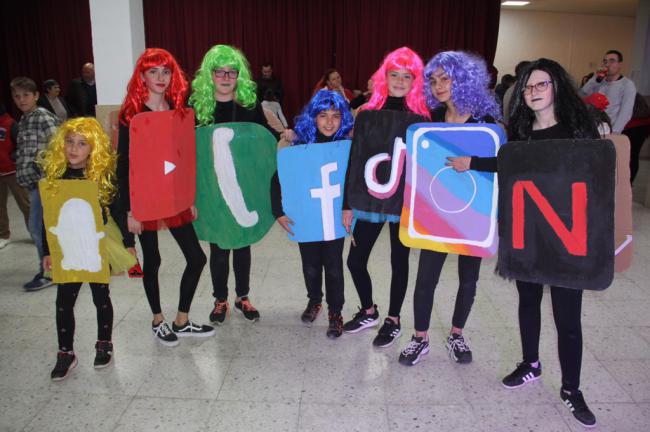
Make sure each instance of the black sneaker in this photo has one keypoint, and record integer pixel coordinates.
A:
(412, 354)
(523, 375)
(192, 329)
(335, 328)
(219, 313)
(576, 403)
(361, 320)
(311, 313)
(103, 354)
(458, 349)
(246, 308)
(164, 334)
(387, 334)
(38, 283)
(65, 362)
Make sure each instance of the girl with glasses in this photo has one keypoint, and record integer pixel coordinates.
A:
(224, 91)
(546, 105)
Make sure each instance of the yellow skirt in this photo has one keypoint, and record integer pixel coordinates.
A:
(119, 258)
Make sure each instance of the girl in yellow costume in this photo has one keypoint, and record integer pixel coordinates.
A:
(80, 149)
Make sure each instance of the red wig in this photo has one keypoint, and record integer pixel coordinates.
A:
(137, 93)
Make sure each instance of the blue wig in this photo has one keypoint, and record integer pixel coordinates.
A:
(469, 84)
(305, 123)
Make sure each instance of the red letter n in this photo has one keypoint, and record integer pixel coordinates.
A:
(574, 240)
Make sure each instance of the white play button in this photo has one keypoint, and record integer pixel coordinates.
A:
(169, 167)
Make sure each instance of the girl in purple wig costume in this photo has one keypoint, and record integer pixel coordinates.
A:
(456, 88)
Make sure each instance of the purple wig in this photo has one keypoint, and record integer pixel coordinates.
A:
(401, 58)
(469, 83)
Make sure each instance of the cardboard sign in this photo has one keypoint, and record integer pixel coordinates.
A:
(235, 164)
(75, 231)
(556, 212)
(312, 178)
(623, 232)
(444, 210)
(376, 175)
(162, 161)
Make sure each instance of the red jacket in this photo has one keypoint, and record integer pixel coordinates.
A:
(7, 165)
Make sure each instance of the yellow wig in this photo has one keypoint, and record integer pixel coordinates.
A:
(102, 160)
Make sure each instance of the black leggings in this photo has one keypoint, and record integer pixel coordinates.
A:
(567, 307)
(425, 286)
(365, 235)
(220, 268)
(327, 255)
(194, 257)
(66, 297)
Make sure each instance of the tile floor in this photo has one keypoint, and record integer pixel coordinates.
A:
(278, 375)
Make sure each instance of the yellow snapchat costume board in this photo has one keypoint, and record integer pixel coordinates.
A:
(75, 231)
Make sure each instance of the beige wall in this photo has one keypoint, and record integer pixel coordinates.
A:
(576, 41)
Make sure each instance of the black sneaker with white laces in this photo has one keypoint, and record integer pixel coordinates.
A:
(458, 349)
(192, 329)
(576, 403)
(522, 375)
(164, 334)
(412, 354)
(103, 354)
(387, 334)
(65, 362)
(361, 320)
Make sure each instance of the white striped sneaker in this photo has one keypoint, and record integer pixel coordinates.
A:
(523, 375)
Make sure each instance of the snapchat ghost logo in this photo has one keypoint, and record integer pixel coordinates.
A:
(78, 237)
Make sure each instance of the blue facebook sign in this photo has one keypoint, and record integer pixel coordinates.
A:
(312, 178)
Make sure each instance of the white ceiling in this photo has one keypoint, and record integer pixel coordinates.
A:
(594, 7)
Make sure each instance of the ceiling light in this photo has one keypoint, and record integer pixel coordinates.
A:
(514, 3)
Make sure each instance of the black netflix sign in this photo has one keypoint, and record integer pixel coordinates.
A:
(556, 212)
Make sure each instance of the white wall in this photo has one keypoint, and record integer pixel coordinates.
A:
(576, 41)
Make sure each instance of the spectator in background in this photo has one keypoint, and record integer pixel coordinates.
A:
(271, 104)
(269, 82)
(508, 94)
(620, 91)
(506, 82)
(53, 102)
(362, 97)
(331, 80)
(8, 135)
(637, 130)
(82, 93)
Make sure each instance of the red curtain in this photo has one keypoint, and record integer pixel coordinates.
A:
(52, 38)
(43, 39)
(303, 38)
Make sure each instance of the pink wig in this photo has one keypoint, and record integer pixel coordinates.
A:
(401, 58)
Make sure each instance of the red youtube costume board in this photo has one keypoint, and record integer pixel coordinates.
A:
(162, 159)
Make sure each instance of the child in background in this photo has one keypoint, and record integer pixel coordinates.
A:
(35, 128)
(325, 118)
(80, 149)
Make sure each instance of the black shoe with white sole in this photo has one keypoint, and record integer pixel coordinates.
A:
(192, 329)
(524, 374)
(65, 362)
(578, 407)
(458, 349)
(164, 334)
(412, 354)
(387, 334)
(103, 354)
(361, 320)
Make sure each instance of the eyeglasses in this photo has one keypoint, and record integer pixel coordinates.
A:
(540, 87)
(220, 73)
(610, 61)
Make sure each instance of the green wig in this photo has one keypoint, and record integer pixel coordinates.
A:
(202, 98)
